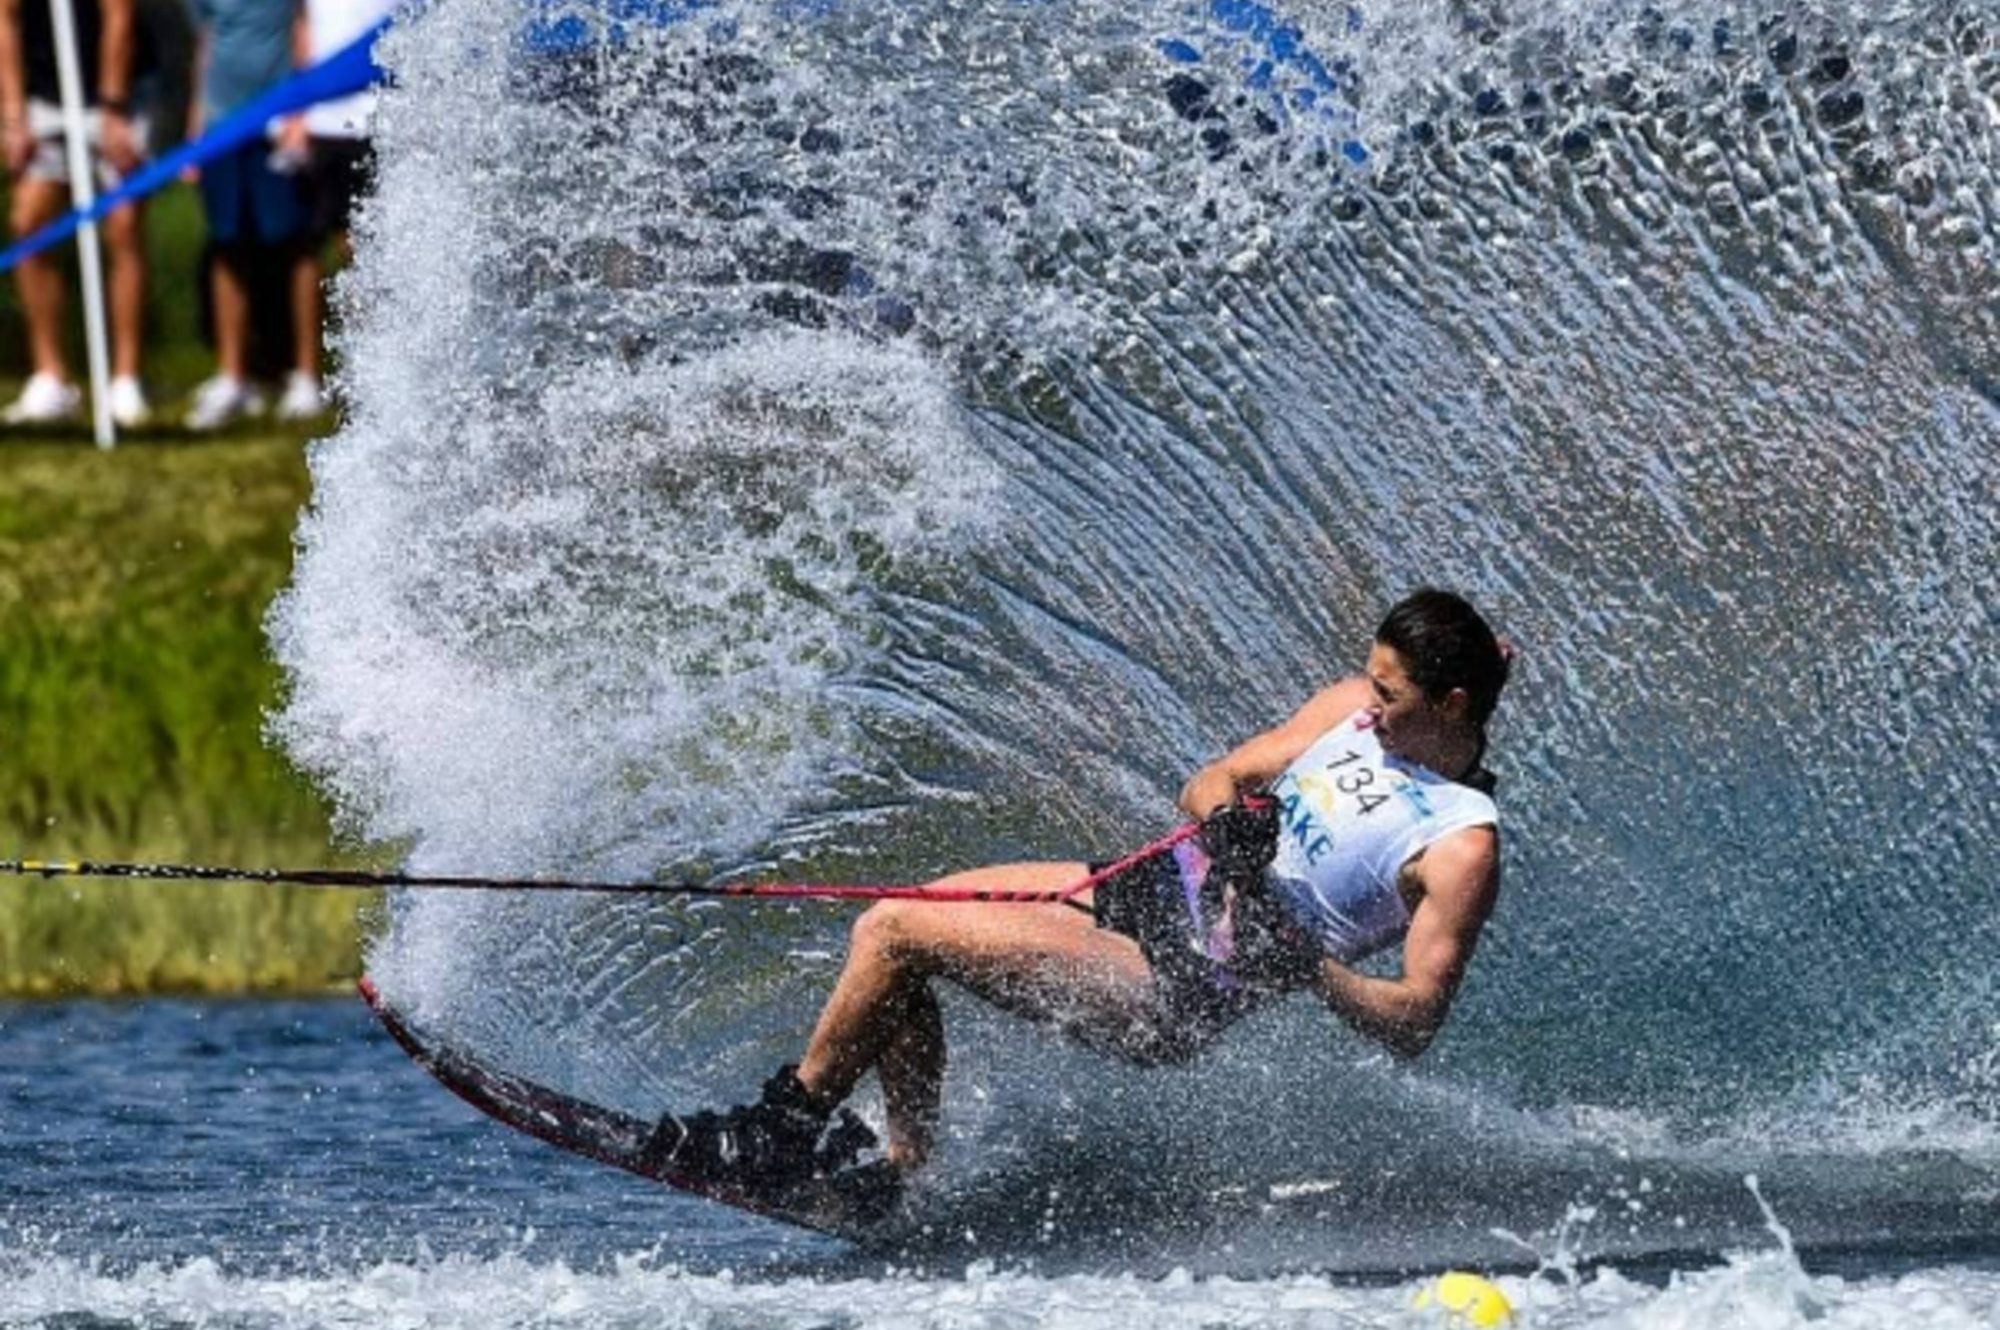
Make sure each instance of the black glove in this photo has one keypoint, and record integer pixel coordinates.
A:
(1242, 839)
(1271, 949)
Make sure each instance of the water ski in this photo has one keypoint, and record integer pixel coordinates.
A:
(853, 1204)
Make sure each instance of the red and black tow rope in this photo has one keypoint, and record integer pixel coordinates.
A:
(362, 879)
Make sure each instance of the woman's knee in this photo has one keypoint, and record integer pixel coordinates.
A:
(31, 208)
(889, 930)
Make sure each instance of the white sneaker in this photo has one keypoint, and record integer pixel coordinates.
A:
(303, 399)
(129, 408)
(46, 400)
(222, 400)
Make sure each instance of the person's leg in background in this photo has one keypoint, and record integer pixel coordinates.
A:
(125, 251)
(228, 395)
(302, 399)
(49, 397)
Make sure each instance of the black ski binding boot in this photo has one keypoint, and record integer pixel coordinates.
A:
(786, 1138)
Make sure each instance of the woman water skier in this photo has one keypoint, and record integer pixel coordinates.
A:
(1362, 821)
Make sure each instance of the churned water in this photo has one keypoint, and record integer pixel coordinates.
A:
(266, 1165)
(862, 440)
(281, 1165)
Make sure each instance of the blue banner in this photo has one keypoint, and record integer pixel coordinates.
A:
(348, 70)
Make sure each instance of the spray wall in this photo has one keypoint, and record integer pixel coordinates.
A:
(873, 439)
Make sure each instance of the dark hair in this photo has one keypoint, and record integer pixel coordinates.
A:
(1444, 644)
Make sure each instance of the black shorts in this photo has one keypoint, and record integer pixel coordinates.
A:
(1151, 902)
(248, 204)
(336, 175)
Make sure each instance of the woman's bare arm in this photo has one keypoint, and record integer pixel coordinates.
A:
(1461, 881)
(1262, 758)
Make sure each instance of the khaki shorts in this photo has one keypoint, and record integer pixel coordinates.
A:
(50, 160)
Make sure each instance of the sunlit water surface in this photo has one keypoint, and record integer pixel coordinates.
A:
(253, 1165)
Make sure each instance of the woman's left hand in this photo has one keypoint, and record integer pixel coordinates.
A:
(1210, 788)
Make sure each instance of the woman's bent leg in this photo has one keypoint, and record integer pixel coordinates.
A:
(912, 1072)
(1047, 962)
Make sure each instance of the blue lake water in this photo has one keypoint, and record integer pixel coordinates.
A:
(287, 1135)
(280, 1164)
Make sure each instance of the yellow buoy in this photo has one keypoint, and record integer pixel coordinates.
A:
(1466, 1300)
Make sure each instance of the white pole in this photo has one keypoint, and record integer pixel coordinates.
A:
(82, 193)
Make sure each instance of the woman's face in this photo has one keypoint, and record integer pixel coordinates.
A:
(1407, 723)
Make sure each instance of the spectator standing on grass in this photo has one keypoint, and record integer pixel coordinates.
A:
(256, 204)
(116, 64)
(330, 139)
(340, 159)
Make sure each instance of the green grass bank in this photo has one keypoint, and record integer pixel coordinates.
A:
(133, 685)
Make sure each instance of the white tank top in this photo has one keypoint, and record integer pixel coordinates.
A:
(1349, 817)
